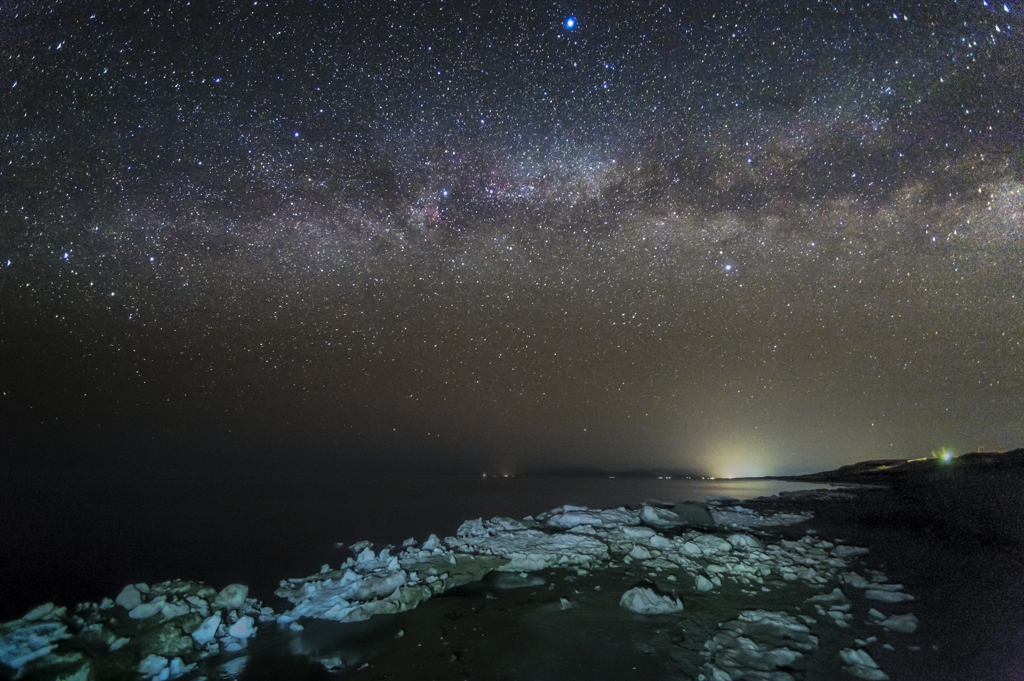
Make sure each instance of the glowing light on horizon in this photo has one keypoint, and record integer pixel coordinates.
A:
(739, 457)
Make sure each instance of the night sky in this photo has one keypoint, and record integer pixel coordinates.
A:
(746, 238)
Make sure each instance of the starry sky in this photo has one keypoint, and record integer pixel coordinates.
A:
(744, 238)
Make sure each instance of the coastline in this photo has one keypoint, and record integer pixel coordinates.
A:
(959, 566)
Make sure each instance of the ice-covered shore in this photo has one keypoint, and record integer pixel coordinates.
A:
(157, 631)
(165, 630)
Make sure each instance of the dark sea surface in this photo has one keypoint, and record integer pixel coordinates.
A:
(82, 539)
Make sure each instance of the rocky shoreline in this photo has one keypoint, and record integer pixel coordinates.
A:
(790, 587)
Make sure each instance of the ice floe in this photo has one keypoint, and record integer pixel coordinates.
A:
(906, 624)
(207, 630)
(887, 596)
(660, 518)
(860, 664)
(759, 644)
(740, 517)
(646, 601)
(567, 517)
(31, 641)
(129, 598)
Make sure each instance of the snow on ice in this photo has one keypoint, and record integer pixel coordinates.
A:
(646, 601)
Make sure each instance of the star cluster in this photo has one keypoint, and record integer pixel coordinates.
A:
(752, 238)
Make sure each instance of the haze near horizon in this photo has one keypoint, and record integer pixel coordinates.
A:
(746, 239)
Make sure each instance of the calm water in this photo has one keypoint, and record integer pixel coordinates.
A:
(76, 540)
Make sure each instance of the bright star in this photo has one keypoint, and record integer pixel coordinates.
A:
(570, 23)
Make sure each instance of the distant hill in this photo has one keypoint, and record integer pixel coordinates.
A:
(891, 470)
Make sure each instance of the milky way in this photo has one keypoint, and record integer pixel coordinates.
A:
(748, 238)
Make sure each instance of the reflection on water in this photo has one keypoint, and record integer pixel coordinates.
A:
(320, 650)
(232, 669)
(345, 646)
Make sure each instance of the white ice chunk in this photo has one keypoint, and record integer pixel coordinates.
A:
(178, 668)
(834, 596)
(243, 628)
(711, 542)
(855, 580)
(47, 611)
(199, 605)
(756, 645)
(153, 665)
(647, 602)
(660, 518)
(141, 612)
(745, 540)
(905, 624)
(232, 596)
(861, 665)
(659, 542)
(129, 598)
(472, 528)
(847, 551)
(602, 518)
(704, 584)
(639, 553)
(484, 528)
(737, 516)
(207, 630)
(531, 550)
(637, 532)
(30, 642)
(888, 596)
(172, 610)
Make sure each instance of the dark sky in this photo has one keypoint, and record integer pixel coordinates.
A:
(749, 238)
